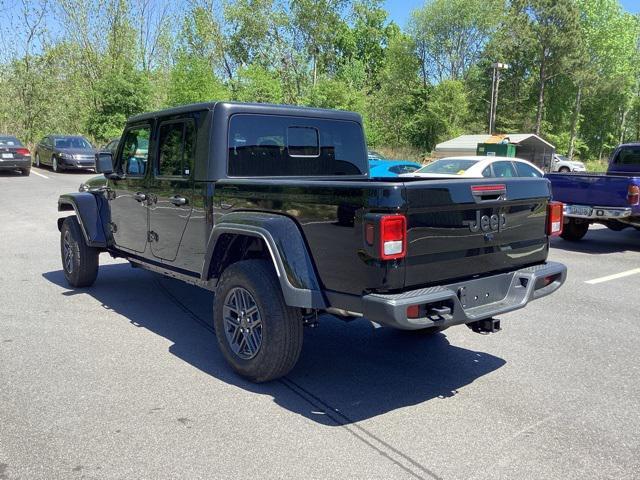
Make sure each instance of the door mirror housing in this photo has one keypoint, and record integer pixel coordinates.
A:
(104, 163)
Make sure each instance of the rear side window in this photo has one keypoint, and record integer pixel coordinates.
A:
(504, 169)
(10, 142)
(283, 146)
(628, 156)
(177, 149)
(525, 170)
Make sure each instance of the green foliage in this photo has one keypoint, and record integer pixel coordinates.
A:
(120, 96)
(192, 80)
(574, 66)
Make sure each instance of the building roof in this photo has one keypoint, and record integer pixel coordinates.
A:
(470, 142)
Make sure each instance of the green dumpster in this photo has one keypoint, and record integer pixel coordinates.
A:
(496, 149)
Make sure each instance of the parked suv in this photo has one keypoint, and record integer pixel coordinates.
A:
(245, 200)
(563, 165)
(65, 152)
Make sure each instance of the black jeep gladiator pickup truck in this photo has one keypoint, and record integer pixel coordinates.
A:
(273, 209)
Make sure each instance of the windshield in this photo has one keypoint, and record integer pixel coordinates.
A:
(450, 166)
(73, 142)
(10, 142)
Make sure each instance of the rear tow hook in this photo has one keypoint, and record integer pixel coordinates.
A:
(486, 326)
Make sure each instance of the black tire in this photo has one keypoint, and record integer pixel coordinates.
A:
(280, 325)
(564, 170)
(574, 231)
(79, 261)
(54, 165)
(25, 171)
(38, 160)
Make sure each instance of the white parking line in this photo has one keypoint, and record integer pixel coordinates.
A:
(615, 276)
(38, 174)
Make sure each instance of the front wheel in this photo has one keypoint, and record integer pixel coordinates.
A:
(54, 164)
(564, 170)
(258, 334)
(79, 261)
(38, 160)
(574, 231)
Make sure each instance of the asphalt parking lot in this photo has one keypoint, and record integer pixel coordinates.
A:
(124, 380)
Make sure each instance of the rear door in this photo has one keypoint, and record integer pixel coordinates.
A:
(171, 190)
(459, 228)
(128, 195)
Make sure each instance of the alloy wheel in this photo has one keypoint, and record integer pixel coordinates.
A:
(242, 323)
(67, 250)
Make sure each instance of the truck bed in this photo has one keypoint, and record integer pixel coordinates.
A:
(592, 189)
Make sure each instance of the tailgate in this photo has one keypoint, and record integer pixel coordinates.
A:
(592, 190)
(454, 233)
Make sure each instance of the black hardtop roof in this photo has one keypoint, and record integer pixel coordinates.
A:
(630, 144)
(60, 137)
(264, 108)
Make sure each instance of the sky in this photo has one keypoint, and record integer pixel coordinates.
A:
(400, 10)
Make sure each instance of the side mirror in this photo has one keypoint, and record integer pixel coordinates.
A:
(104, 163)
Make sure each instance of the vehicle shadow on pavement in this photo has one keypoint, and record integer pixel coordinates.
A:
(348, 372)
(601, 241)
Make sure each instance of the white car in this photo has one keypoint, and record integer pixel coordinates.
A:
(477, 167)
(563, 164)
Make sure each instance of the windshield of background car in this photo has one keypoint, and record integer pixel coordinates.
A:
(10, 142)
(284, 146)
(400, 169)
(73, 142)
(628, 156)
(452, 166)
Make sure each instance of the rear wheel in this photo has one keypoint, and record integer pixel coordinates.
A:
(25, 171)
(79, 261)
(258, 334)
(574, 230)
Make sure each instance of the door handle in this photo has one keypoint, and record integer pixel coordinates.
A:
(139, 196)
(178, 201)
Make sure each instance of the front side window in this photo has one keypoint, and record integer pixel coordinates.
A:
(177, 149)
(135, 151)
(283, 146)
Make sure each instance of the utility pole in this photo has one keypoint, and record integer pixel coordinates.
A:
(495, 86)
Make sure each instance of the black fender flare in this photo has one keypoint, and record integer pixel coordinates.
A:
(287, 248)
(87, 207)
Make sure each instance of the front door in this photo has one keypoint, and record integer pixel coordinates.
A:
(171, 191)
(128, 196)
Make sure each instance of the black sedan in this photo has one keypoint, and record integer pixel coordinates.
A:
(14, 155)
(65, 153)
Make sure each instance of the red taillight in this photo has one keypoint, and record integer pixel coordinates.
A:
(23, 151)
(633, 195)
(413, 311)
(393, 237)
(555, 218)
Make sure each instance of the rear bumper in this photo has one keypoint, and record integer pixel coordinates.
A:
(14, 163)
(596, 212)
(467, 301)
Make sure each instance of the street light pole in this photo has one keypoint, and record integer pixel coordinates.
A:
(495, 86)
